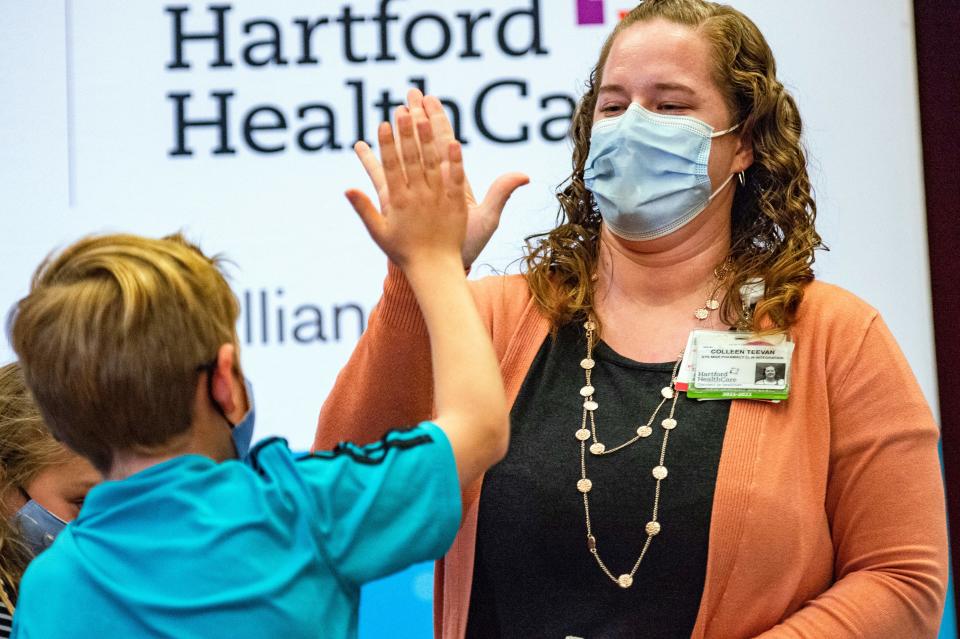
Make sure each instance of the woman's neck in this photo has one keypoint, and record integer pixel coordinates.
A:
(655, 272)
(647, 292)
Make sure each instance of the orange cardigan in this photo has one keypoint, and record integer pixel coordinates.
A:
(828, 518)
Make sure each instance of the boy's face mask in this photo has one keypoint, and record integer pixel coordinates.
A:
(38, 525)
(242, 431)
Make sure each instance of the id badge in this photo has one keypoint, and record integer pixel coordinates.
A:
(736, 365)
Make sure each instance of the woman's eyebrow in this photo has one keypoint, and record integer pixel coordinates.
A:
(612, 88)
(660, 86)
(673, 86)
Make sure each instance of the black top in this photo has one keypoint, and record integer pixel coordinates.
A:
(533, 574)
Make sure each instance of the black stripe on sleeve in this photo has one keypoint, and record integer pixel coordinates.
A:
(371, 454)
(374, 453)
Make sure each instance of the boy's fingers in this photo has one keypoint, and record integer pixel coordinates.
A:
(431, 159)
(408, 147)
(368, 213)
(392, 169)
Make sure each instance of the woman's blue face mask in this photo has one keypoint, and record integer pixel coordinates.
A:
(648, 171)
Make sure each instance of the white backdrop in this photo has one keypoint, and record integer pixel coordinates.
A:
(88, 130)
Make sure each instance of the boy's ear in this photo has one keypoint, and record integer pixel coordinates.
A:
(227, 384)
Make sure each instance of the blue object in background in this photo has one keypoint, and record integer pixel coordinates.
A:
(401, 607)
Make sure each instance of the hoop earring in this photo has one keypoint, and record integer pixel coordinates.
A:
(742, 178)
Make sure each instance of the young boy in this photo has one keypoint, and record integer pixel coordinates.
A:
(129, 347)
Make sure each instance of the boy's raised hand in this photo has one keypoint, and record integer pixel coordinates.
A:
(421, 228)
(426, 215)
(483, 217)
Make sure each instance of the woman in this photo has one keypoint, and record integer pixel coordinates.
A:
(624, 508)
(42, 486)
(768, 376)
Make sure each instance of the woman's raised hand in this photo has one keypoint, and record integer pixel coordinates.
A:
(482, 217)
(425, 215)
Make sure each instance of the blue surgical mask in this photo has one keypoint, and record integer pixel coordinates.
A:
(38, 525)
(648, 171)
(242, 431)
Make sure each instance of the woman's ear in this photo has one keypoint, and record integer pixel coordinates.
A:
(743, 157)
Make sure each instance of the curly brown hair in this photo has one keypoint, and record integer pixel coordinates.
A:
(772, 227)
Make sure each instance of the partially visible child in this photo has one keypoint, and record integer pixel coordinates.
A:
(42, 486)
(129, 347)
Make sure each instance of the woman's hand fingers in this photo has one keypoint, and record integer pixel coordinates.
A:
(443, 134)
(438, 121)
(414, 100)
(485, 217)
(501, 190)
(415, 106)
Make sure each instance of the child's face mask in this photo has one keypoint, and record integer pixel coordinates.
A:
(242, 431)
(38, 525)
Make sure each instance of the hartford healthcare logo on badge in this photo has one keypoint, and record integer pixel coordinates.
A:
(343, 51)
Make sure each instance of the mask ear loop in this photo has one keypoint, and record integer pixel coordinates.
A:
(720, 188)
(740, 175)
(717, 134)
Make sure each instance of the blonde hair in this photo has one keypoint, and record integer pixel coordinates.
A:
(26, 448)
(111, 338)
(773, 213)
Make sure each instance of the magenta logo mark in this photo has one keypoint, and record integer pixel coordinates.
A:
(589, 12)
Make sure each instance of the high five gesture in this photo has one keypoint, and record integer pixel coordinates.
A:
(421, 226)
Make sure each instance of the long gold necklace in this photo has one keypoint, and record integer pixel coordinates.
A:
(584, 434)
